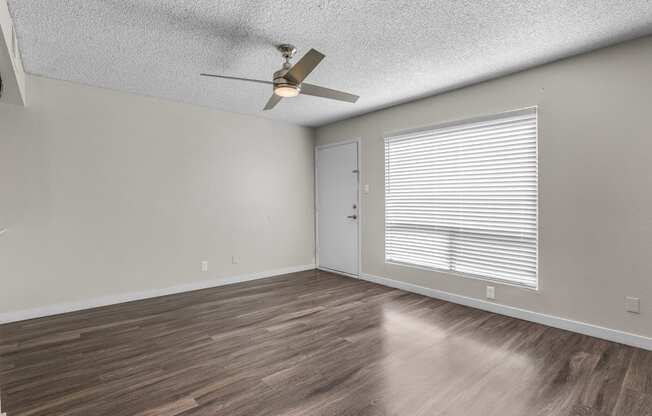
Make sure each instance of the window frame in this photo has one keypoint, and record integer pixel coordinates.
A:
(457, 122)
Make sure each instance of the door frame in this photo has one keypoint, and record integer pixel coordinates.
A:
(358, 143)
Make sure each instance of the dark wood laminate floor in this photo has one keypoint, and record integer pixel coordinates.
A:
(312, 343)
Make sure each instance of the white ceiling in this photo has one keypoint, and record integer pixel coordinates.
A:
(385, 51)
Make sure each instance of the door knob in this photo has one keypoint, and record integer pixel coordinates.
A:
(352, 216)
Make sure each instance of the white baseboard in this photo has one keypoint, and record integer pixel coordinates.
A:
(145, 294)
(614, 335)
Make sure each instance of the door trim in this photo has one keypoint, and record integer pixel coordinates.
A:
(358, 143)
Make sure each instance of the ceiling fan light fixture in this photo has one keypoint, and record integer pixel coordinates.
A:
(286, 91)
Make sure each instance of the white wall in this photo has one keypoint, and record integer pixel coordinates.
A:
(595, 117)
(106, 193)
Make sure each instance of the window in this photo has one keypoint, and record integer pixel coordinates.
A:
(462, 197)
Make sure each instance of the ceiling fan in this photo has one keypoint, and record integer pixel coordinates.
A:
(288, 81)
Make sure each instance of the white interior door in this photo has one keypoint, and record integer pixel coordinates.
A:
(337, 207)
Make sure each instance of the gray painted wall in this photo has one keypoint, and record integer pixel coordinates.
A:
(107, 193)
(595, 144)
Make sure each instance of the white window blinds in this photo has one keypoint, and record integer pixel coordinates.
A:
(463, 198)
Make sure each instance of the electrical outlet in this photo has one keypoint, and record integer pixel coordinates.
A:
(491, 292)
(234, 260)
(632, 305)
(366, 188)
(204, 266)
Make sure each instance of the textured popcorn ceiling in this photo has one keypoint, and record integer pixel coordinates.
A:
(385, 51)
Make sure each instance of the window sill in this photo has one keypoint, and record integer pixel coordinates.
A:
(534, 288)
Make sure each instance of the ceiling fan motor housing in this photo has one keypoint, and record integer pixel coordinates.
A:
(281, 81)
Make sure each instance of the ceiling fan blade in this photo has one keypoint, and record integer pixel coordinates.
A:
(304, 67)
(260, 81)
(317, 91)
(273, 100)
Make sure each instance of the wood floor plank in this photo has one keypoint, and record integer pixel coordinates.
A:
(312, 343)
(639, 375)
